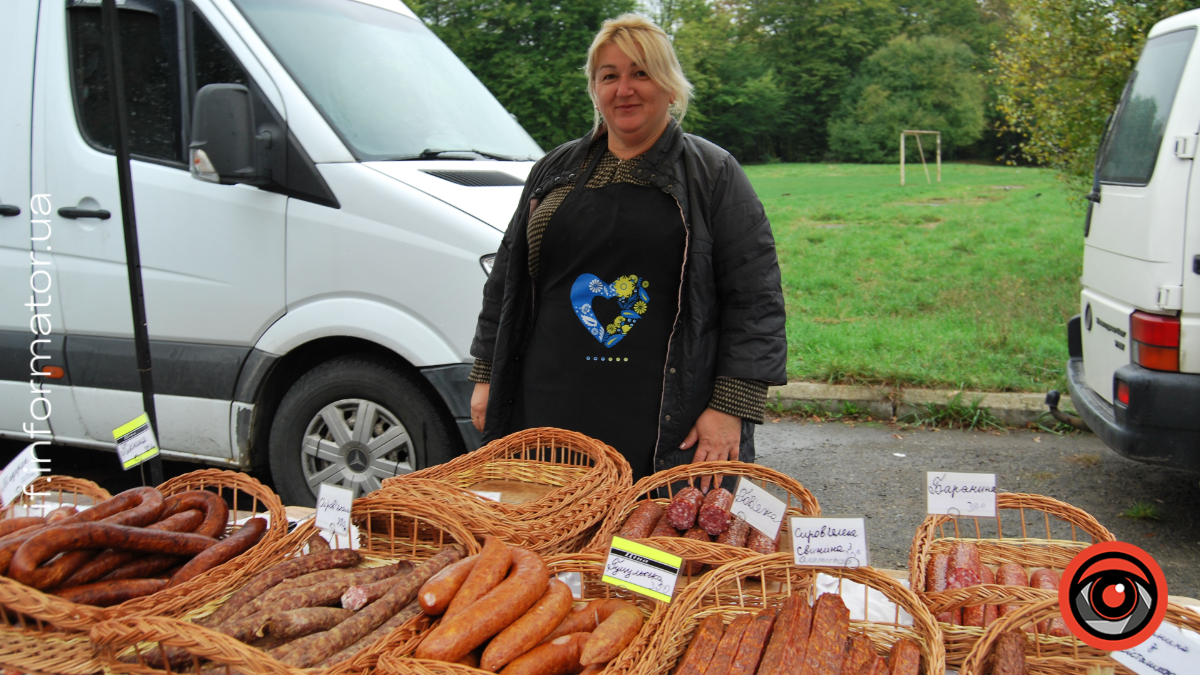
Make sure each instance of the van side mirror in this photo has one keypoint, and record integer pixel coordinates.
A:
(224, 147)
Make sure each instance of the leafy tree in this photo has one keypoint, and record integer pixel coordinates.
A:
(529, 53)
(927, 83)
(1063, 69)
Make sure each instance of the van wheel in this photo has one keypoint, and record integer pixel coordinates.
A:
(353, 422)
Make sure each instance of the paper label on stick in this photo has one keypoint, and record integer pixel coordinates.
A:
(1170, 651)
(642, 569)
(18, 474)
(493, 496)
(960, 494)
(135, 442)
(761, 509)
(333, 508)
(829, 542)
(574, 580)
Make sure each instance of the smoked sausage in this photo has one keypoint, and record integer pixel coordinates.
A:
(641, 522)
(101, 565)
(684, 507)
(11, 525)
(215, 511)
(108, 593)
(144, 567)
(526, 632)
(494, 561)
(859, 653)
(727, 648)
(612, 636)
(305, 621)
(736, 534)
(560, 656)
(754, 641)
(586, 619)
(290, 569)
(360, 595)
(663, 528)
(1047, 580)
(936, 580)
(61, 513)
(437, 593)
(1009, 654)
(904, 658)
(1011, 574)
(714, 511)
(827, 641)
(401, 617)
(227, 549)
(702, 647)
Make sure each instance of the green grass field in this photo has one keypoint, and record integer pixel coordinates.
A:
(962, 283)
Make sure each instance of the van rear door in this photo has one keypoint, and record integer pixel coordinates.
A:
(1134, 243)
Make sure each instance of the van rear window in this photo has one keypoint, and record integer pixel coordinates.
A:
(1137, 131)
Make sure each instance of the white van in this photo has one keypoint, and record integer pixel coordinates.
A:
(315, 228)
(1134, 370)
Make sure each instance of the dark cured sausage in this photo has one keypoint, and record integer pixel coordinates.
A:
(11, 525)
(494, 561)
(797, 647)
(966, 571)
(714, 511)
(1009, 654)
(827, 641)
(526, 632)
(754, 641)
(736, 534)
(694, 567)
(684, 507)
(144, 567)
(1011, 574)
(936, 580)
(641, 522)
(489, 615)
(785, 623)
(315, 648)
(227, 549)
(48, 543)
(859, 653)
(101, 565)
(727, 648)
(1047, 580)
(761, 543)
(216, 513)
(401, 617)
(663, 528)
(905, 658)
(702, 647)
(107, 593)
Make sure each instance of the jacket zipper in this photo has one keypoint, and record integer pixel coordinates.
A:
(687, 240)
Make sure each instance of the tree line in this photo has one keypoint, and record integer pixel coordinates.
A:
(832, 80)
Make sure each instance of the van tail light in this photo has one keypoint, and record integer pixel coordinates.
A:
(1155, 341)
(1123, 393)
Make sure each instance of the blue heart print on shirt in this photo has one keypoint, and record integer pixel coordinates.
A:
(631, 295)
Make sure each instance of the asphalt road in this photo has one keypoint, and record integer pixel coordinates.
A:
(854, 469)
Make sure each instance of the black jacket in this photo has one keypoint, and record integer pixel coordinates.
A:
(731, 318)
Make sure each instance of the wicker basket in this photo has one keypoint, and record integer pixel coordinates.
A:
(1030, 530)
(766, 581)
(800, 502)
(570, 482)
(45, 633)
(419, 532)
(1045, 655)
(590, 568)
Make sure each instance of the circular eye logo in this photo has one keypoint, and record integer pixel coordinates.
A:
(1113, 596)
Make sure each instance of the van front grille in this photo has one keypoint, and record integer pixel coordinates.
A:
(476, 178)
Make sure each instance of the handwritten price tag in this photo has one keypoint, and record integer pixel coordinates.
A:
(761, 509)
(1169, 651)
(333, 508)
(135, 442)
(19, 473)
(961, 494)
(830, 542)
(642, 569)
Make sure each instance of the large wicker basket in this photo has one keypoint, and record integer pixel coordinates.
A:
(1030, 530)
(590, 567)
(660, 487)
(556, 486)
(419, 531)
(1045, 655)
(766, 581)
(44, 633)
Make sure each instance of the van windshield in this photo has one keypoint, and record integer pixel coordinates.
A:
(1137, 131)
(385, 82)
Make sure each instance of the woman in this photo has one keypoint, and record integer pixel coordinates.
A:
(636, 295)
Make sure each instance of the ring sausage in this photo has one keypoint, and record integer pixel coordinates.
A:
(989, 611)
(108, 593)
(227, 549)
(11, 525)
(61, 513)
(437, 593)
(143, 567)
(526, 632)
(493, 563)
(101, 565)
(216, 513)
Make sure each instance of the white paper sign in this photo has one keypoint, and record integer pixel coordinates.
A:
(761, 509)
(1169, 651)
(135, 442)
(574, 580)
(333, 508)
(829, 542)
(960, 494)
(19, 473)
(494, 496)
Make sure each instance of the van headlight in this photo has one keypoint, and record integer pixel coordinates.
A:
(487, 262)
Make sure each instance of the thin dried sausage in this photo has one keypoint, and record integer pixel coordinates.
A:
(290, 569)
(641, 522)
(702, 647)
(612, 636)
(827, 641)
(736, 534)
(437, 593)
(215, 511)
(714, 511)
(107, 593)
(305, 621)
(684, 507)
(494, 561)
(526, 632)
(904, 658)
(560, 656)
(401, 617)
(227, 549)
(754, 641)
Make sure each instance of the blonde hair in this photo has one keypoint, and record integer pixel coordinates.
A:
(648, 46)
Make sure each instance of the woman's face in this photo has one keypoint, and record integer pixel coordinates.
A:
(634, 106)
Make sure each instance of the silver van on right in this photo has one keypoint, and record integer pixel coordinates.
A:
(1134, 369)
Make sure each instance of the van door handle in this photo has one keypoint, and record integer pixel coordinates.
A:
(9, 210)
(73, 213)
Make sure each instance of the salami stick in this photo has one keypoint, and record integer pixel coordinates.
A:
(401, 617)
(1046, 579)
(663, 528)
(714, 511)
(1011, 574)
(308, 651)
(761, 543)
(966, 571)
(827, 641)
(736, 534)
(684, 507)
(702, 647)
(753, 642)
(936, 581)
(694, 567)
(727, 647)
(268, 579)
(990, 612)
(641, 522)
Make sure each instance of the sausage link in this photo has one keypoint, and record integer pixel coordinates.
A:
(904, 658)
(727, 648)
(144, 567)
(1047, 580)
(641, 522)
(227, 549)
(966, 571)
(560, 656)
(470, 660)
(586, 619)
(290, 569)
(459, 634)
(989, 611)
(714, 511)
(359, 576)
(401, 617)
(754, 641)
(494, 561)
(694, 567)
(360, 595)
(612, 636)
(702, 647)
(1009, 654)
(859, 653)
(328, 591)
(682, 510)
(46, 544)
(785, 625)
(437, 593)
(101, 565)
(11, 525)
(827, 641)
(761, 543)
(663, 528)
(937, 578)
(107, 593)
(526, 632)
(1011, 574)
(308, 651)
(216, 512)
(61, 513)
(736, 534)
(305, 621)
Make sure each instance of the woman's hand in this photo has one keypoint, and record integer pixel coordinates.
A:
(479, 399)
(719, 435)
